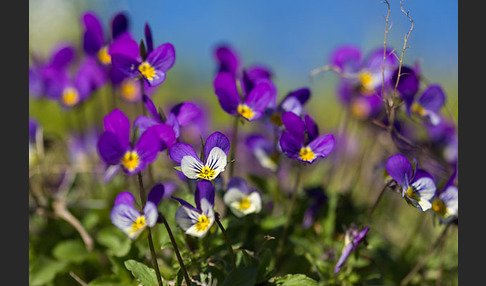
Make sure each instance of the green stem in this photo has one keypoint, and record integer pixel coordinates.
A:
(143, 197)
(378, 199)
(176, 249)
(228, 243)
(289, 213)
(234, 143)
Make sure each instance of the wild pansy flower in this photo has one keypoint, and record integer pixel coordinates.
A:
(352, 238)
(446, 201)
(294, 102)
(196, 221)
(417, 185)
(228, 60)
(114, 144)
(180, 115)
(252, 105)
(42, 74)
(428, 103)
(152, 67)
(241, 199)
(301, 139)
(128, 219)
(263, 151)
(215, 153)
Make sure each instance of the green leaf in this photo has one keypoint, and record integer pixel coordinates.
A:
(106, 281)
(178, 168)
(115, 240)
(70, 251)
(295, 280)
(241, 276)
(142, 272)
(44, 270)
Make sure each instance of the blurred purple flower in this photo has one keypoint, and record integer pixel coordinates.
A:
(317, 200)
(241, 199)
(351, 240)
(446, 201)
(301, 139)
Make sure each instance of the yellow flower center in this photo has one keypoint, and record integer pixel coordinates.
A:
(103, 55)
(306, 154)
(245, 111)
(439, 207)
(138, 224)
(130, 160)
(128, 89)
(366, 81)
(206, 173)
(70, 96)
(202, 223)
(147, 70)
(360, 109)
(418, 109)
(245, 204)
(410, 193)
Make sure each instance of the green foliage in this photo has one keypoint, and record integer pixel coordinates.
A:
(142, 272)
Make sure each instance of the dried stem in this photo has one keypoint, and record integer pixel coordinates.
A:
(61, 211)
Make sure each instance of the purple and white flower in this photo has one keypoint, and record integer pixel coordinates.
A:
(241, 199)
(351, 240)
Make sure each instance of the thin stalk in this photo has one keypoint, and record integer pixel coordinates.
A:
(378, 199)
(143, 197)
(228, 242)
(289, 213)
(176, 249)
(431, 249)
(234, 144)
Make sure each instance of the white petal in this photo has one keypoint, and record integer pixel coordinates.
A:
(200, 233)
(425, 188)
(186, 217)
(264, 159)
(191, 167)
(256, 201)
(233, 195)
(216, 160)
(151, 214)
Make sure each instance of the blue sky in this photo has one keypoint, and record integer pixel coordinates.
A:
(293, 37)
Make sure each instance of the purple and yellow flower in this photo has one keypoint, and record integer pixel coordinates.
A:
(196, 221)
(294, 102)
(428, 103)
(180, 115)
(351, 240)
(114, 144)
(263, 151)
(241, 199)
(152, 68)
(446, 201)
(215, 153)
(418, 186)
(128, 219)
(301, 139)
(252, 105)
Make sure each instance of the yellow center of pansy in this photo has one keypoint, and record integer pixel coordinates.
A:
(130, 160)
(306, 154)
(244, 204)
(147, 70)
(138, 224)
(103, 56)
(360, 109)
(439, 207)
(410, 193)
(70, 96)
(245, 111)
(128, 89)
(366, 81)
(418, 109)
(206, 173)
(202, 223)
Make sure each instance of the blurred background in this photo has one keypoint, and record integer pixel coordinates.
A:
(290, 37)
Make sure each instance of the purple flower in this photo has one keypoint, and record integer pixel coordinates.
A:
(114, 144)
(446, 201)
(228, 60)
(252, 105)
(301, 139)
(180, 115)
(317, 200)
(210, 166)
(241, 199)
(196, 221)
(351, 240)
(263, 151)
(428, 103)
(127, 218)
(418, 186)
(152, 68)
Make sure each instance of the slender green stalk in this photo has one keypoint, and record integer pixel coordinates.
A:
(234, 144)
(143, 197)
(421, 263)
(289, 213)
(176, 249)
(228, 243)
(378, 199)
